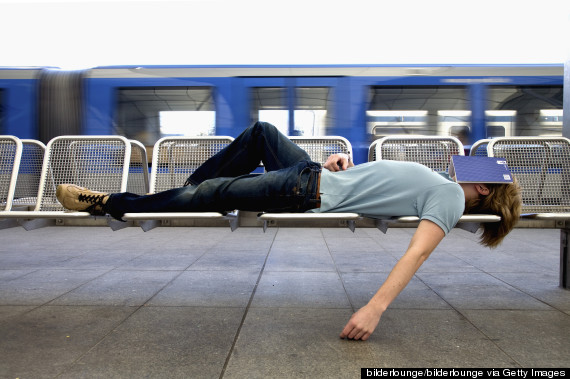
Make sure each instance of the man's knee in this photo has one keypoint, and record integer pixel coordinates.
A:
(262, 127)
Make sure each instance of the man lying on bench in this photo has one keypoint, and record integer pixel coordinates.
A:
(293, 183)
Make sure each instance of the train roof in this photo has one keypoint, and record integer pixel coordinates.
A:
(363, 70)
(333, 70)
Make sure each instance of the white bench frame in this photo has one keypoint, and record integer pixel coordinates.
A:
(15, 163)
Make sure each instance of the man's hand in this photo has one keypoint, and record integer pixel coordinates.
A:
(362, 323)
(338, 162)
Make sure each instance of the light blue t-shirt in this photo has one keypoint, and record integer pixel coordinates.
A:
(384, 189)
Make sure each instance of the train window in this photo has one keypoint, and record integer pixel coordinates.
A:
(313, 110)
(427, 110)
(524, 111)
(311, 113)
(270, 104)
(499, 123)
(149, 113)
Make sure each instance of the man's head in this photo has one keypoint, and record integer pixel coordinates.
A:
(504, 200)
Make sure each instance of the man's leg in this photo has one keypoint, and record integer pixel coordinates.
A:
(261, 142)
(277, 192)
(292, 189)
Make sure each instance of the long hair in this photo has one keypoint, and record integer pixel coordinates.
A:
(503, 200)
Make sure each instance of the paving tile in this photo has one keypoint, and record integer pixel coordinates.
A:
(230, 259)
(7, 275)
(247, 238)
(360, 288)
(163, 260)
(119, 288)
(344, 232)
(170, 342)
(300, 233)
(102, 259)
(478, 291)
(42, 286)
(300, 260)
(341, 244)
(208, 289)
(22, 258)
(532, 338)
(531, 239)
(9, 311)
(315, 244)
(542, 286)
(44, 342)
(363, 261)
(436, 338)
(245, 243)
(494, 261)
(293, 342)
(70, 238)
(300, 289)
(541, 257)
(395, 239)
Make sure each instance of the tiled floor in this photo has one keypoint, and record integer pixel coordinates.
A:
(209, 303)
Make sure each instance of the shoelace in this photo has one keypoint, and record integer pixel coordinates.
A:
(93, 199)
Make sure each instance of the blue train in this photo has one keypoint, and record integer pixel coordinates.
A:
(359, 102)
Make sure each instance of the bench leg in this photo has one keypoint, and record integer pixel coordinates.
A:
(37, 223)
(564, 259)
(8, 223)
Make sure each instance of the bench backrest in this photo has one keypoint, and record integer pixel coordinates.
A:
(175, 158)
(138, 180)
(99, 163)
(29, 173)
(479, 148)
(432, 151)
(372, 151)
(319, 148)
(10, 156)
(542, 168)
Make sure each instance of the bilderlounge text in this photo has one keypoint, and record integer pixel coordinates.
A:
(462, 373)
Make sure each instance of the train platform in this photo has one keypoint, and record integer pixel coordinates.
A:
(205, 302)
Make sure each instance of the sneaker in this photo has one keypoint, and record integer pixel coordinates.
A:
(81, 199)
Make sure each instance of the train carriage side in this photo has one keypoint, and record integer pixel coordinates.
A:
(360, 102)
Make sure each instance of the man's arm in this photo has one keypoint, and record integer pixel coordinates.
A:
(338, 162)
(364, 321)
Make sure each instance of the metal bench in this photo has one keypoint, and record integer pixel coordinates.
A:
(432, 151)
(27, 181)
(138, 178)
(10, 157)
(100, 163)
(173, 160)
(542, 168)
(29, 174)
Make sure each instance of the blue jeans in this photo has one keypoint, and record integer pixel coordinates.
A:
(224, 183)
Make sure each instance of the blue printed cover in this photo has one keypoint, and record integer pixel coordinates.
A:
(479, 169)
